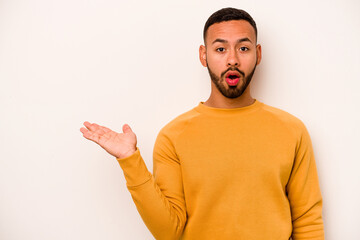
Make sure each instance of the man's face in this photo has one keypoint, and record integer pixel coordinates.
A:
(231, 56)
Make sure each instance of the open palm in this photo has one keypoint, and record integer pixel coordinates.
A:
(120, 145)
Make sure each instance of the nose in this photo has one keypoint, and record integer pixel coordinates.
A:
(232, 59)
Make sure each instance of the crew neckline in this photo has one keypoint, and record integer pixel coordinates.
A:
(229, 111)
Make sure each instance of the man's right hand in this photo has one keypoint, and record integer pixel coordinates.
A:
(120, 145)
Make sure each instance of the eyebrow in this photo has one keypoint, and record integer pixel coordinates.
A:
(238, 41)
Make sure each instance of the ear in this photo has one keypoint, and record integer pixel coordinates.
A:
(202, 55)
(258, 54)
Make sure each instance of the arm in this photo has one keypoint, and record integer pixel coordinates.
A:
(159, 198)
(304, 193)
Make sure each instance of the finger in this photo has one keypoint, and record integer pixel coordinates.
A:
(93, 136)
(91, 127)
(87, 125)
(106, 130)
(83, 130)
(126, 128)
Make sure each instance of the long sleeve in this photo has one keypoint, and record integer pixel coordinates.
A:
(242, 173)
(304, 193)
(159, 198)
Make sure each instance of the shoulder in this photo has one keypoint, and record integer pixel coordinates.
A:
(179, 123)
(166, 138)
(283, 117)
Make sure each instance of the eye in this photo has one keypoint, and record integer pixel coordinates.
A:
(220, 49)
(243, 49)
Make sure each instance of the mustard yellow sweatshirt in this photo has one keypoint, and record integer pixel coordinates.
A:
(244, 173)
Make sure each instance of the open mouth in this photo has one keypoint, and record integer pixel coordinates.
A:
(232, 78)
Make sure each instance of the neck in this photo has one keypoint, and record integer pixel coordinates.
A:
(217, 100)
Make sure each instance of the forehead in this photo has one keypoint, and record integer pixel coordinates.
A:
(231, 30)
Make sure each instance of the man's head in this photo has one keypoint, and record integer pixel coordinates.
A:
(231, 52)
(228, 14)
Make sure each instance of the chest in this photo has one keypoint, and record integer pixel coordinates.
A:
(242, 154)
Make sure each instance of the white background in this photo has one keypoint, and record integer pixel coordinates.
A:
(114, 62)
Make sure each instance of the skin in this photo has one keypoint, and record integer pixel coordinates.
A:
(218, 57)
(120, 145)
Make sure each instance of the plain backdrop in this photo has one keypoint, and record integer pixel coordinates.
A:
(136, 62)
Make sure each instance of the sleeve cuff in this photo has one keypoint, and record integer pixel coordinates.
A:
(134, 168)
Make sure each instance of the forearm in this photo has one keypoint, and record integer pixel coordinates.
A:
(164, 218)
(310, 225)
(304, 193)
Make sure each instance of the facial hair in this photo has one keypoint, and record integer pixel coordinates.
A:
(231, 91)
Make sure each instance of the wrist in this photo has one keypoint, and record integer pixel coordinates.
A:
(127, 154)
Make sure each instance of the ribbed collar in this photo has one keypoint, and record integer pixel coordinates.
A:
(229, 111)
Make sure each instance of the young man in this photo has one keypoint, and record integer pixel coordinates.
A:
(230, 168)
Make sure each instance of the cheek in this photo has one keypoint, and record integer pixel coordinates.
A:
(215, 63)
(248, 62)
(212, 60)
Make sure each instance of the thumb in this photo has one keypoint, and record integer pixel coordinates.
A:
(126, 128)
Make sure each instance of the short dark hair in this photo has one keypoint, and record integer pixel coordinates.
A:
(228, 14)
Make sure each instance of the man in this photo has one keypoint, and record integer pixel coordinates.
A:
(230, 168)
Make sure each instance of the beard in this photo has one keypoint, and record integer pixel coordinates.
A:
(231, 91)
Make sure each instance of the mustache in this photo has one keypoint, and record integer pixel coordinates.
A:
(233, 69)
